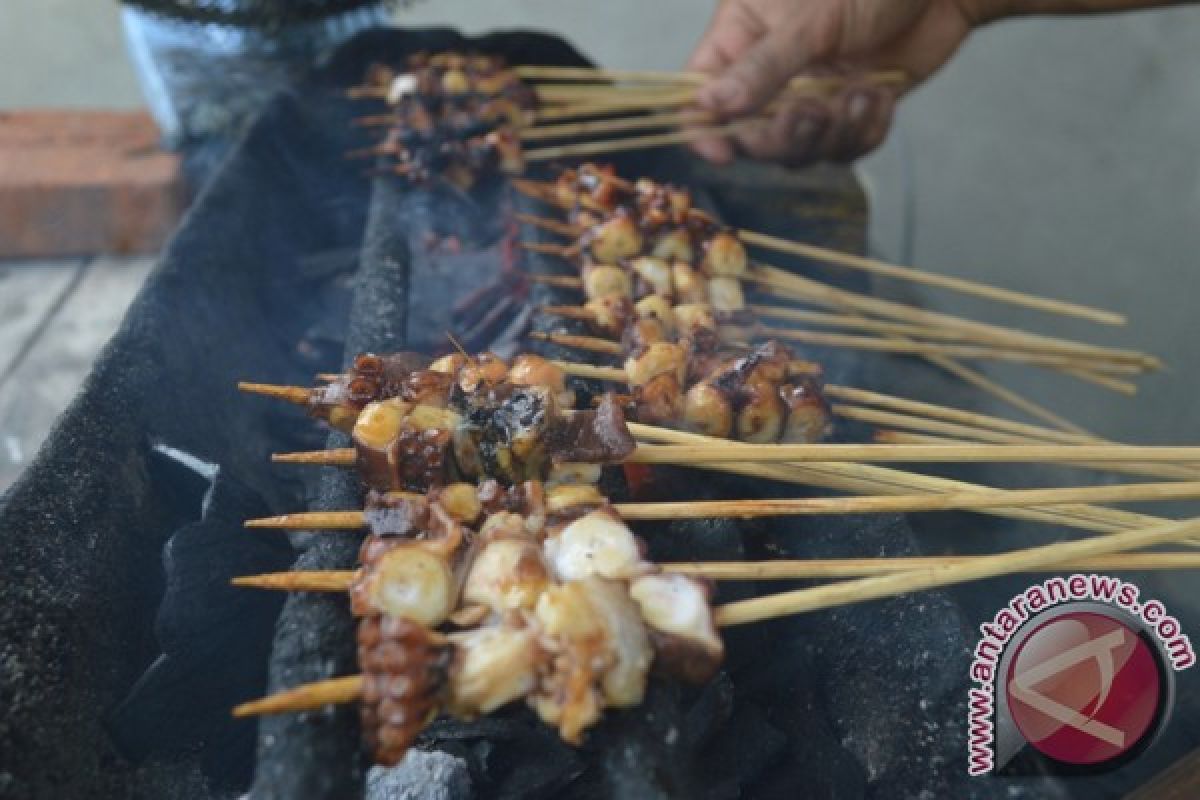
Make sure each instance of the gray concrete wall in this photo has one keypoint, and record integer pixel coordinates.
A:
(1063, 156)
(64, 53)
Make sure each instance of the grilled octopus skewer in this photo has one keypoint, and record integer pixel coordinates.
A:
(556, 602)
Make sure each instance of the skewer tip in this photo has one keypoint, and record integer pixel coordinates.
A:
(310, 520)
(267, 523)
(343, 457)
(265, 581)
(298, 581)
(304, 698)
(292, 394)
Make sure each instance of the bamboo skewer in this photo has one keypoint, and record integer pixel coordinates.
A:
(679, 100)
(913, 275)
(1179, 472)
(737, 452)
(663, 119)
(977, 379)
(791, 285)
(617, 375)
(315, 580)
(854, 591)
(935, 411)
(899, 347)
(1084, 371)
(636, 142)
(297, 395)
(310, 696)
(587, 74)
(563, 228)
(847, 301)
(979, 421)
(1000, 350)
(805, 506)
(932, 348)
(593, 344)
(914, 454)
(603, 89)
(961, 285)
(798, 287)
(335, 457)
(349, 688)
(872, 479)
(783, 569)
(1032, 343)
(933, 325)
(772, 570)
(964, 434)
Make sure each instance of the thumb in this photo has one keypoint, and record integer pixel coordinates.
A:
(757, 76)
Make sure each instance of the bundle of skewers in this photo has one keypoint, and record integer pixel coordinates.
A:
(643, 251)
(462, 116)
(494, 570)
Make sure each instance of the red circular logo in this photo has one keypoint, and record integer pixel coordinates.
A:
(1084, 688)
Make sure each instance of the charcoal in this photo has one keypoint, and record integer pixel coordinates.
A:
(731, 763)
(413, 777)
(214, 638)
(510, 754)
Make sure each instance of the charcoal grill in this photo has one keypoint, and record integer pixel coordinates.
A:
(124, 647)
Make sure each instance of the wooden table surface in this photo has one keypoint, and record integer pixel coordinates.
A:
(55, 316)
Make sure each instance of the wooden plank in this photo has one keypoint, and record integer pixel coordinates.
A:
(28, 293)
(34, 394)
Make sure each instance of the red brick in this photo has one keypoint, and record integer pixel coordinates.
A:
(85, 182)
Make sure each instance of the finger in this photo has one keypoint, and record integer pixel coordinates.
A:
(874, 130)
(855, 111)
(791, 136)
(865, 116)
(756, 76)
(717, 150)
(832, 144)
(769, 138)
(731, 32)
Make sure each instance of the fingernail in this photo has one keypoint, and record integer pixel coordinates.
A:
(859, 105)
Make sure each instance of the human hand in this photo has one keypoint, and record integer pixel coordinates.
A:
(754, 47)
